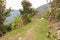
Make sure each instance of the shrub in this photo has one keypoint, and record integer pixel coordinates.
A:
(8, 27)
(58, 14)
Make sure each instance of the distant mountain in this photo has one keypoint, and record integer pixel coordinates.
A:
(10, 19)
(42, 9)
(14, 13)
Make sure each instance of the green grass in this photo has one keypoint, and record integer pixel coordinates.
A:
(44, 23)
(15, 34)
(40, 28)
(20, 32)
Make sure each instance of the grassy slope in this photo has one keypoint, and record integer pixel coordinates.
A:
(40, 30)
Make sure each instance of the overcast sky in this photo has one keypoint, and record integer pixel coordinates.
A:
(16, 4)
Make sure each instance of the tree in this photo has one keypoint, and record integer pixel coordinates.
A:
(3, 15)
(53, 6)
(27, 11)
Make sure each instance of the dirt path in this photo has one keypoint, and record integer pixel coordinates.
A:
(29, 35)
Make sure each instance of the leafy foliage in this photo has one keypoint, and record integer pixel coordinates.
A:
(3, 15)
(8, 27)
(54, 6)
(27, 11)
(14, 24)
(58, 14)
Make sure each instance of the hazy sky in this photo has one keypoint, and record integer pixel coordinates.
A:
(16, 4)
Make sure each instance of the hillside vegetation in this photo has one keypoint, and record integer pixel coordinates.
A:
(36, 30)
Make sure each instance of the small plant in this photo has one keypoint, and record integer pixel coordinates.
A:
(8, 27)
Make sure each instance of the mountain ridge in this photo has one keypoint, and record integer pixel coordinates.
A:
(42, 9)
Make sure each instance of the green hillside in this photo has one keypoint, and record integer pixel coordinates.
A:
(36, 30)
